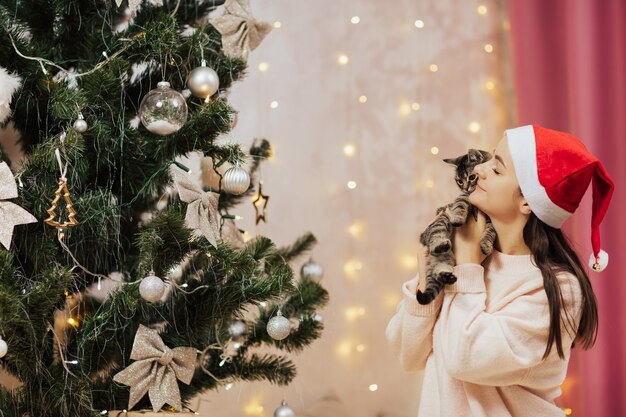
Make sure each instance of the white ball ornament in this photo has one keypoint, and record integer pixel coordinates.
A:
(151, 288)
(4, 348)
(80, 125)
(236, 181)
(312, 270)
(237, 329)
(203, 81)
(284, 411)
(278, 327)
(163, 110)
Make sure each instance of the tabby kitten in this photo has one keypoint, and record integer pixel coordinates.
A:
(436, 237)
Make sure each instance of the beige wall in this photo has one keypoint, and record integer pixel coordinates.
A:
(399, 181)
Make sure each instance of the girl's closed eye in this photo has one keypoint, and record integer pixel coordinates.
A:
(496, 171)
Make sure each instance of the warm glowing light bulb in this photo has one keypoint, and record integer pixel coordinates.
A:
(277, 24)
(353, 313)
(490, 85)
(349, 149)
(344, 348)
(360, 348)
(415, 106)
(264, 66)
(343, 59)
(373, 387)
(482, 9)
(362, 99)
(72, 322)
(567, 411)
(274, 104)
(419, 24)
(409, 262)
(352, 185)
(355, 20)
(489, 48)
(355, 230)
(434, 150)
(404, 109)
(474, 127)
(433, 67)
(430, 183)
(352, 267)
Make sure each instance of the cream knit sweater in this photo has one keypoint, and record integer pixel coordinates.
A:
(480, 342)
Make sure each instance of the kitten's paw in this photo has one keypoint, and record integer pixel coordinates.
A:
(457, 221)
(424, 298)
(442, 247)
(448, 277)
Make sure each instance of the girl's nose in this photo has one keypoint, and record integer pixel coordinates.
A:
(479, 170)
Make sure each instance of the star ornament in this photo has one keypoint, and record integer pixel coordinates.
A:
(261, 203)
(11, 213)
(241, 33)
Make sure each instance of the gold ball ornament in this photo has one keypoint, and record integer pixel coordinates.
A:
(236, 181)
(203, 81)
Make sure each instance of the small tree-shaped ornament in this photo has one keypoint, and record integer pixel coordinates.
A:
(62, 191)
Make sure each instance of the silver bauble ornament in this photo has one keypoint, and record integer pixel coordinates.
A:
(151, 288)
(278, 327)
(312, 270)
(236, 181)
(163, 110)
(80, 125)
(4, 348)
(203, 81)
(284, 411)
(236, 329)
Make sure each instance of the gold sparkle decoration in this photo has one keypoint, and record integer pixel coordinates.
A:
(71, 221)
(261, 203)
(156, 370)
(241, 33)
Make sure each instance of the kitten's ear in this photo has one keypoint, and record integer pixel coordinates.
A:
(451, 161)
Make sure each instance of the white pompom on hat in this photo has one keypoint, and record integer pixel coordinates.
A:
(554, 170)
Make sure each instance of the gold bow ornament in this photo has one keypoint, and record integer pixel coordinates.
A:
(241, 33)
(11, 213)
(202, 207)
(156, 370)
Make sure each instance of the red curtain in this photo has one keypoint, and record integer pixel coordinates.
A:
(569, 73)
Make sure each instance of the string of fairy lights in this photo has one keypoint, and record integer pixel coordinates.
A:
(350, 148)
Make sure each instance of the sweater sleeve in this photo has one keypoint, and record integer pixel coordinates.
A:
(410, 330)
(498, 347)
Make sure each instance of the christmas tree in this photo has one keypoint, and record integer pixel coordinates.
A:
(101, 199)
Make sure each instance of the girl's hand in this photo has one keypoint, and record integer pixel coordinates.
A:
(466, 240)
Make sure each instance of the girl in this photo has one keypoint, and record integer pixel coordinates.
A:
(497, 342)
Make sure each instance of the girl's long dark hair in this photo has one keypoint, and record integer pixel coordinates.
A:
(552, 254)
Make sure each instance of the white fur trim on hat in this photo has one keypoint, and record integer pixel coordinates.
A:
(523, 151)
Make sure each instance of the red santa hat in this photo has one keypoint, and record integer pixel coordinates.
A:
(554, 170)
